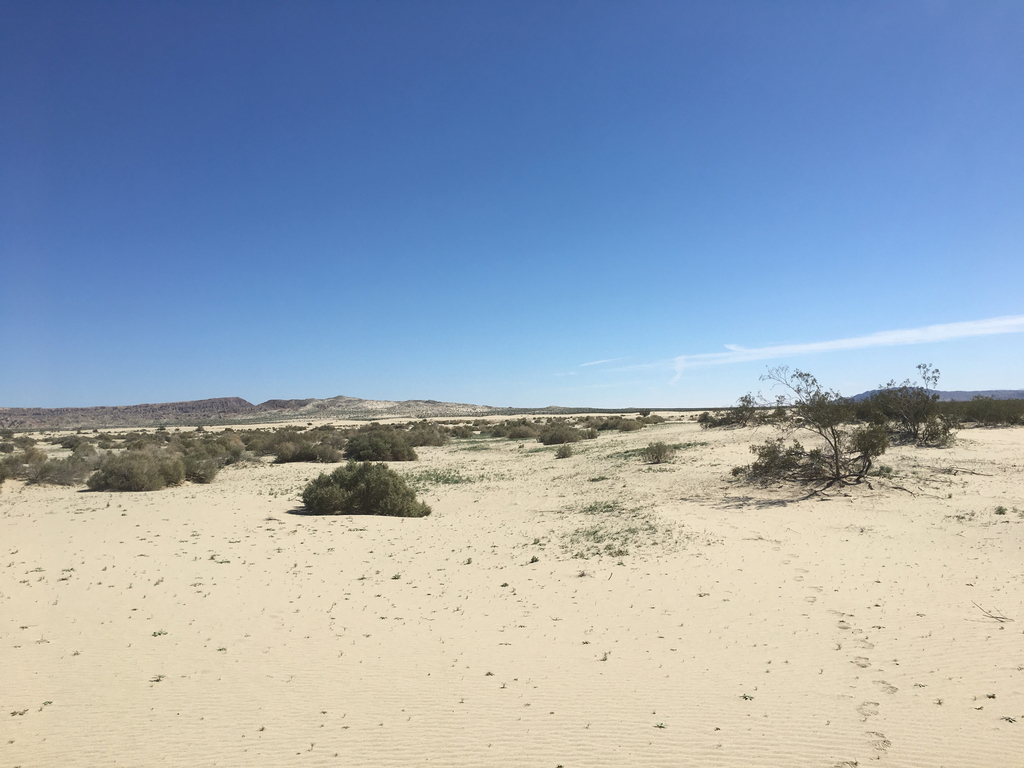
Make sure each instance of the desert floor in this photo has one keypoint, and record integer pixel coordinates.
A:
(590, 611)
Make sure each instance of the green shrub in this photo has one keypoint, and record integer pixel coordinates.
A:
(910, 413)
(138, 471)
(363, 489)
(70, 471)
(987, 411)
(564, 451)
(379, 444)
(658, 453)
(426, 433)
(559, 433)
(6, 447)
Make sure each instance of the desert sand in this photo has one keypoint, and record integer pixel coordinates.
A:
(589, 611)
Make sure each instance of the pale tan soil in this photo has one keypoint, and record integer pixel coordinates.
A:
(216, 625)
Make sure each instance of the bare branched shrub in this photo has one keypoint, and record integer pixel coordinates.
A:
(844, 455)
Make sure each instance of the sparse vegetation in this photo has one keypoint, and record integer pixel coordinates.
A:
(363, 489)
(564, 451)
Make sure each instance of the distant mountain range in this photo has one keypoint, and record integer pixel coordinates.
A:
(957, 395)
(230, 410)
(235, 410)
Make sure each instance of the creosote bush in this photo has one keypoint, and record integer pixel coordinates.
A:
(379, 443)
(910, 413)
(363, 489)
(140, 470)
(658, 453)
(559, 433)
(844, 455)
(564, 451)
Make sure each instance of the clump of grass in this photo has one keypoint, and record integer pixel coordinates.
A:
(564, 451)
(598, 479)
(438, 477)
(601, 508)
(363, 489)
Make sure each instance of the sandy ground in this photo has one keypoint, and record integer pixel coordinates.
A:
(719, 625)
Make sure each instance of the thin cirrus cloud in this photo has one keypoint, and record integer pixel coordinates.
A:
(929, 333)
(602, 362)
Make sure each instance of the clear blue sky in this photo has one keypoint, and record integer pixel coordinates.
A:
(509, 203)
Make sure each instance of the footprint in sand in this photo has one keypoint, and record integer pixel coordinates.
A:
(878, 741)
(886, 688)
(861, 661)
(811, 599)
(868, 709)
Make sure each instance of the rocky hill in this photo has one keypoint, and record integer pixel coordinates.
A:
(229, 410)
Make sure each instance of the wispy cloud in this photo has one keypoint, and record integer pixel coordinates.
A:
(602, 362)
(929, 333)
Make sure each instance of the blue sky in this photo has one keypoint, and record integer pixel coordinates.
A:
(509, 203)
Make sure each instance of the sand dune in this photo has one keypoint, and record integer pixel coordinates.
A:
(672, 617)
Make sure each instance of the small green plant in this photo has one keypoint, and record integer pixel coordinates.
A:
(363, 489)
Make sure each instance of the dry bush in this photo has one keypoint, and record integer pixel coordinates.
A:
(658, 453)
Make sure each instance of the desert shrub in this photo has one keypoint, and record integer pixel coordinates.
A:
(630, 425)
(85, 450)
(6, 434)
(462, 431)
(70, 471)
(651, 419)
(844, 455)
(142, 470)
(910, 413)
(363, 489)
(559, 433)
(987, 412)
(564, 451)
(658, 453)
(24, 464)
(23, 442)
(743, 414)
(6, 447)
(513, 429)
(200, 468)
(379, 444)
(289, 444)
(426, 433)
